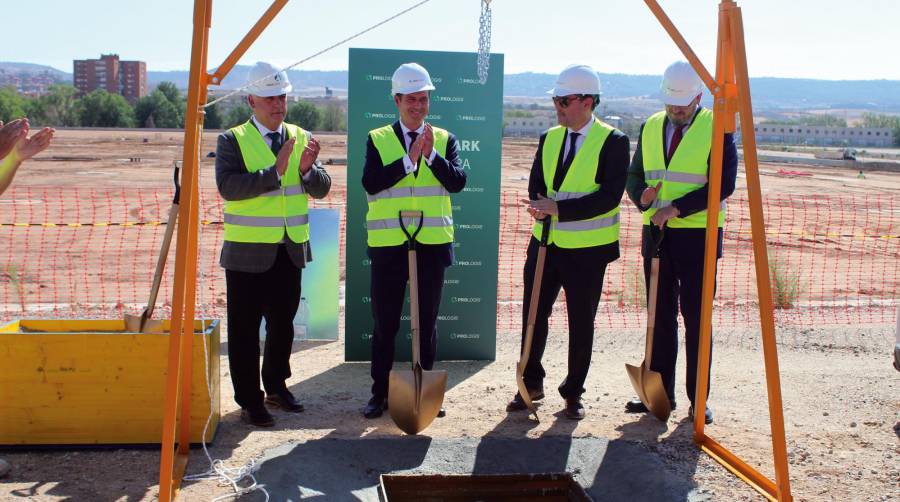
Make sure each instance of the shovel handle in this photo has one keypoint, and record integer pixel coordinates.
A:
(656, 235)
(411, 238)
(177, 197)
(166, 243)
(545, 230)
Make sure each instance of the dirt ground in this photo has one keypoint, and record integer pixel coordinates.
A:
(841, 399)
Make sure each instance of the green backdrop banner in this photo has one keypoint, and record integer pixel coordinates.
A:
(474, 113)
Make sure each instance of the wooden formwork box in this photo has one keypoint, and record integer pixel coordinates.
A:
(86, 382)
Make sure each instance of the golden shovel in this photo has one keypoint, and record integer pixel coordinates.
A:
(143, 323)
(415, 396)
(532, 316)
(647, 383)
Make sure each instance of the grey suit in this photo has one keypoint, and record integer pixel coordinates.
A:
(262, 281)
(235, 183)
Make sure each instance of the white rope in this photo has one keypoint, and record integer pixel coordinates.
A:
(226, 476)
(240, 89)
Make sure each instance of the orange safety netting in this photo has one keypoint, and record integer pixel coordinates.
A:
(88, 253)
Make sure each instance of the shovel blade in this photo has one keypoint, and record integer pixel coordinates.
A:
(141, 324)
(649, 387)
(523, 390)
(415, 397)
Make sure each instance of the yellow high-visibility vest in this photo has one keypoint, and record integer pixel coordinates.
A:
(423, 193)
(580, 181)
(687, 168)
(265, 218)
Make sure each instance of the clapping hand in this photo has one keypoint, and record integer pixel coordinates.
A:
(309, 155)
(11, 134)
(541, 208)
(281, 162)
(37, 143)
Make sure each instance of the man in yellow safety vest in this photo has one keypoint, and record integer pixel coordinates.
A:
(576, 182)
(410, 165)
(265, 170)
(667, 181)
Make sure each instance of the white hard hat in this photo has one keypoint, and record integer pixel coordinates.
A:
(576, 79)
(409, 78)
(680, 84)
(272, 83)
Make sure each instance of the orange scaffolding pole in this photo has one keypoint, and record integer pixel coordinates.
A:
(731, 94)
(173, 460)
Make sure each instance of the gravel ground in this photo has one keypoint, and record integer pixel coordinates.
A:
(840, 404)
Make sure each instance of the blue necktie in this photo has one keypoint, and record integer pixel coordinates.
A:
(276, 142)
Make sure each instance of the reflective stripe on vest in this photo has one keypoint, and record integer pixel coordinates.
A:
(422, 192)
(265, 218)
(580, 181)
(688, 168)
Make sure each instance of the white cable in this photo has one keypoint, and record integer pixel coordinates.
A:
(227, 476)
(232, 93)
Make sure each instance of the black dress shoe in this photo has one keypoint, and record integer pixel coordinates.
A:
(259, 417)
(637, 406)
(442, 413)
(375, 407)
(574, 408)
(284, 400)
(517, 404)
(708, 418)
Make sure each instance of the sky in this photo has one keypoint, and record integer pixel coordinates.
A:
(821, 39)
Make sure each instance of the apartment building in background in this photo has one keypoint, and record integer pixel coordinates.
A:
(128, 78)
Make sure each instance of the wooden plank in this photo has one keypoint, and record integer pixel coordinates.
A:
(92, 387)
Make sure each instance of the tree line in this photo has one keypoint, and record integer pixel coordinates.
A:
(62, 106)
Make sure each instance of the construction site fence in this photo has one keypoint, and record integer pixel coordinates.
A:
(91, 253)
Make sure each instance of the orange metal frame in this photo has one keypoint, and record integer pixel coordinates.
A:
(731, 94)
(173, 460)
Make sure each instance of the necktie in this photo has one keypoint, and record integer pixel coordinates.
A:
(276, 142)
(412, 139)
(676, 139)
(570, 156)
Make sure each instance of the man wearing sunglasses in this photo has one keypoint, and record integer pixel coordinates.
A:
(667, 181)
(577, 180)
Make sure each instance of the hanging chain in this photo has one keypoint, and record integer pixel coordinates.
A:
(484, 41)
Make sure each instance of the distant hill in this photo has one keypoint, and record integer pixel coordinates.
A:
(35, 69)
(768, 93)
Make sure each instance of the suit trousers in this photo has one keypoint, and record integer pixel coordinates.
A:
(274, 295)
(680, 285)
(390, 274)
(580, 275)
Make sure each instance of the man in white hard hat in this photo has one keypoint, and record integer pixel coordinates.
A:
(265, 170)
(576, 184)
(410, 164)
(667, 181)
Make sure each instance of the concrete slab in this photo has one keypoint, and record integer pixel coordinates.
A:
(348, 469)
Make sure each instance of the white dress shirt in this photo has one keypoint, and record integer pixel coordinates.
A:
(265, 134)
(582, 133)
(670, 131)
(408, 164)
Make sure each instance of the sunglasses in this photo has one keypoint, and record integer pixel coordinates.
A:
(563, 101)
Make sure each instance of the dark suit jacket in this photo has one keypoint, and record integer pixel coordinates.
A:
(378, 177)
(612, 166)
(236, 183)
(688, 241)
